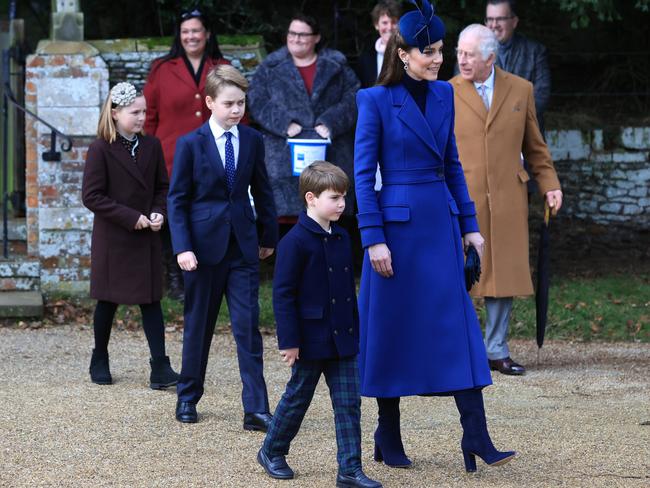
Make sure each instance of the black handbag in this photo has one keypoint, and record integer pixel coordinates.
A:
(472, 267)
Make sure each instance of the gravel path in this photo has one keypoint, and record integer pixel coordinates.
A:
(576, 420)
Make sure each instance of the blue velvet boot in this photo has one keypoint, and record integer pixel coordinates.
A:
(388, 439)
(476, 439)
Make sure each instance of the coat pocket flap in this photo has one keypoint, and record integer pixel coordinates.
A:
(453, 208)
(396, 214)
(201, 214)
(311, 312)
(523, 176)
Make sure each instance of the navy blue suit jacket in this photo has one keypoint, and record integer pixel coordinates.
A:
(314, 296)
(203, 213)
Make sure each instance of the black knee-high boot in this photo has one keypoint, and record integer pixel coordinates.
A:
(476, 439)
(388, 438)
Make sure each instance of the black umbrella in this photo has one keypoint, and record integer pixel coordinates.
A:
(543, 274)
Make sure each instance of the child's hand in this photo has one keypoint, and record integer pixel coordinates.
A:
(142, 223)
(265, 252)
(290, 356)
(157, 221)
(187, 261)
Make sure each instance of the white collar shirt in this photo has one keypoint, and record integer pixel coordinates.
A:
(218, 133)
(489, 86)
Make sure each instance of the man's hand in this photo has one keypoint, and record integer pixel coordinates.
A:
(322, 131)
(380, 259)
(142, 223)
(290, 356)
(294, 129)
(554, 200)
(265, 252)
(157, 221)
(187, 261)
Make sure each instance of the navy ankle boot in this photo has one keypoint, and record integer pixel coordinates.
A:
(476, 439)
(388, 438)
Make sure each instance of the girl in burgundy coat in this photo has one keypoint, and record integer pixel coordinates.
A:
(125, 185)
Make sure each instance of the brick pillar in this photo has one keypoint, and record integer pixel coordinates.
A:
(67, 91)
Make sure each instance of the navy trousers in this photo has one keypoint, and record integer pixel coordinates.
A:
(204, 290)
(342, 377)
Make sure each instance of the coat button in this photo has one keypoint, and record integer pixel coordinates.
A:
(324, 239)
(349, 299)
(345, 269)
(331, 269)
(333, 300)
(350, 330)
(197, 113)
(336, 332)
(339, 238)
(197, 96)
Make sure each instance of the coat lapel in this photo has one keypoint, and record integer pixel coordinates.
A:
(124, 158)
(144, 155)
(182, 73)
(410, 115)
(466, 91)
(211, 152)
(501, 89)
(244, 153)
(325, 71)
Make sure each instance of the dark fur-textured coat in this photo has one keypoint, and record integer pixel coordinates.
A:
(278, 97)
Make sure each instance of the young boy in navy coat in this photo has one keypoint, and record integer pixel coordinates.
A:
(314, 300)
(215, 240)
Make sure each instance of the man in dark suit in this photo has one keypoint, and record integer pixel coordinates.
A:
(215, 240)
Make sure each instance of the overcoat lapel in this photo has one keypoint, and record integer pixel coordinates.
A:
(144, 156)
(124, 158)
(325, 71)
(467, 92)
(410, 115)
(501, 90)
(182, 73)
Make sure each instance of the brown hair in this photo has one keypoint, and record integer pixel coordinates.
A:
(392, 70)
(385, 7)
(106, 128)
(224, 75)
(321, 176)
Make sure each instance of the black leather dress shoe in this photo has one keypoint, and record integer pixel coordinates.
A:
(276, 467)
(186, 412)
(257, 421)
(356, 480)
(507, 366)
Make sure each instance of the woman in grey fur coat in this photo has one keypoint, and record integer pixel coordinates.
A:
(301, 92)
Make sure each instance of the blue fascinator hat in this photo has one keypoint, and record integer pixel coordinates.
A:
(421, 27)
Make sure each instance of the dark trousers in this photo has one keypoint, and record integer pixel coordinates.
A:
(204, 290)
(342, 376)
(152, 323)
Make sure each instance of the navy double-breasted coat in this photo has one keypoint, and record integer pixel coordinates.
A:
(314, 295)
(419, 333)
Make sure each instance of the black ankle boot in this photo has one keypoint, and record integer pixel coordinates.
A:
(162, 375)
(99, 371)
(476, 439)
(388, 438)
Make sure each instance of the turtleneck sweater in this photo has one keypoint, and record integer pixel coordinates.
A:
(418, 90)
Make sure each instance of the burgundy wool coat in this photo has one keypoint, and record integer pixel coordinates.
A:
(125, 263)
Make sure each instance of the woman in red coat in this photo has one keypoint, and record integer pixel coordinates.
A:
(175, 94)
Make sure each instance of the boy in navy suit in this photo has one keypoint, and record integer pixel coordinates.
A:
(314, 300)
(215, 239)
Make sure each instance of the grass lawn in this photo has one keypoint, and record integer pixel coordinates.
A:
(612, 308)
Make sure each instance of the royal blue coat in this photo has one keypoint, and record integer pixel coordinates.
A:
(419, 333)
(314, 296)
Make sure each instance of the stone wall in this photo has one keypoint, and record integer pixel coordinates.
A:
(130, 59)
(606, 180)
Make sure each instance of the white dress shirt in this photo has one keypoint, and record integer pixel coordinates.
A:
(219, 137)
(489, 87)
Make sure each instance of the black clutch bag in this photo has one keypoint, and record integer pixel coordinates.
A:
(472, 267)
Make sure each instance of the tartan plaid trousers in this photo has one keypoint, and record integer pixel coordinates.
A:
(342, 377)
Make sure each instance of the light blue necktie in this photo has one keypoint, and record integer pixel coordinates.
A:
(230, 161)
(482, 90)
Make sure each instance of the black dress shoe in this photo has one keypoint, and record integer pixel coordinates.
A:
(257, 421)
(186, 412)
(507, 366)
(276, 467)
(356, 480)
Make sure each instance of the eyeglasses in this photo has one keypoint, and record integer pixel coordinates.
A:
(469, 54)
(300, 35)
(497, 20)
(194, 13)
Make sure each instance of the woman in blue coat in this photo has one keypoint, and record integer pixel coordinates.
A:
(419, 331)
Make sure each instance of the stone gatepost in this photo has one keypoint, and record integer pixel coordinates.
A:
(66, 83)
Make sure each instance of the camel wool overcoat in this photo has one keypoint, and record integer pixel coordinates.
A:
(490, 145)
